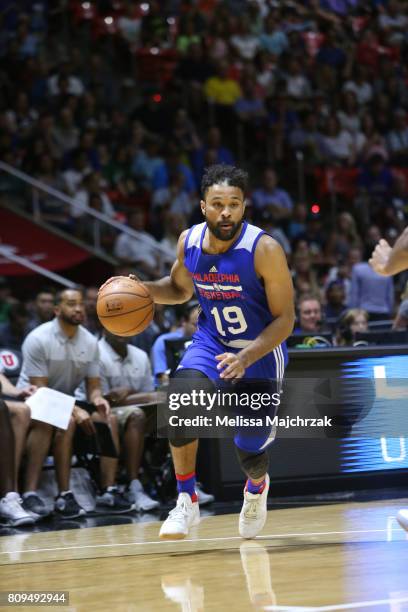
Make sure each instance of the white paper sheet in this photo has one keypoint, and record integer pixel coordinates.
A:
(51, 407)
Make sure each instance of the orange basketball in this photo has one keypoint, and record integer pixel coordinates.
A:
(125, 307)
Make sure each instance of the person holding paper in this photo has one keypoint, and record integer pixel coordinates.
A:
(14, 423)
(61, 354)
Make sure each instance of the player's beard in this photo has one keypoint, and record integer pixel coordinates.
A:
(216, 229)
(74, 320)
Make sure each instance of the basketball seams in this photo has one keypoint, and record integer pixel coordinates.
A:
(137, 326)
(145, 295)
(121, 314)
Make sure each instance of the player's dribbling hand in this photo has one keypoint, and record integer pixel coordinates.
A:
(380, 256)
(114, 278)
(231, 365)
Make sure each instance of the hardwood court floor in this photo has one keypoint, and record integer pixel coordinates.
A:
(332, 557)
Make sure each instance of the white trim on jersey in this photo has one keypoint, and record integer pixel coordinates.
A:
(195, 236)
(249, 237)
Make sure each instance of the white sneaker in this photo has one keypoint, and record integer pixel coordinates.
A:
(137, 495)
(11, 508)
(402, 518)
(254, 510)
(203, 497)
(180, 519)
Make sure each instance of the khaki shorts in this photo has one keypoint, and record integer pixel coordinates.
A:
(122, 413)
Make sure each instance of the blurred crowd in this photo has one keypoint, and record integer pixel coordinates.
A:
(121, 105)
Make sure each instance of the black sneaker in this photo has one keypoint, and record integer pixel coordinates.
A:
(67, 506)
(34, 505)
(113, 501)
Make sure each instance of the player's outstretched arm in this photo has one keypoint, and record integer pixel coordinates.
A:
(272, 267)
(176, 288)
(388, 261)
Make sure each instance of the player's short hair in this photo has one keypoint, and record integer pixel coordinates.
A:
(223, 173)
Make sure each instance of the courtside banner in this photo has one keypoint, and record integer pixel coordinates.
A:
(297, 408)
(39, 246)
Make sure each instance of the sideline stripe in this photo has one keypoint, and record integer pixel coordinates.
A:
(344, 606)
(195, 541)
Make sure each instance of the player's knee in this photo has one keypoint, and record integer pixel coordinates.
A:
(255, 465)
(180, 442)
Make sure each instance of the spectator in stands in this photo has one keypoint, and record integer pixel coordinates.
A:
(353, 321)
(250, 110)
(307, 138)
(13, 332)
(397, 139)
(372, 142)
(65, 132)
(337, 145)
(213, 142)
(244, 42)
(171, 166)
(375, 183)
(370, 291)
(360, 85)
(273, 39)
(127, 383)
(174, 198)
(272, 199)
(310, 315)
(335, 300)
(147, 161)
(143, 254)
(194, 67)
(223, 92)
(91, 185)
(74, 85)
(343, 238)
(75, 174)
(303, 274)
(61, 354)
(43, 309)
(297, 84)
(185, 331)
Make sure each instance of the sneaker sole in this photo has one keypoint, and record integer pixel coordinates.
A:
(23, 521)
(71, 516)
(110, 510)
(172, 536)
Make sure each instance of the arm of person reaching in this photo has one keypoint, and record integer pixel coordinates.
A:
(176, 288)
(9, 389)
(271, 266)
(94, 395)
(387, 260)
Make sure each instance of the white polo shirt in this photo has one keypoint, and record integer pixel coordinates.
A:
(66, 362)
(133, 372)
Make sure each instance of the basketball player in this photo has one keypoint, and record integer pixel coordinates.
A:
(241, 279)
(389, 261)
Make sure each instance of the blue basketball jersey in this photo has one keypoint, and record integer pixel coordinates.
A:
(234, 308)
